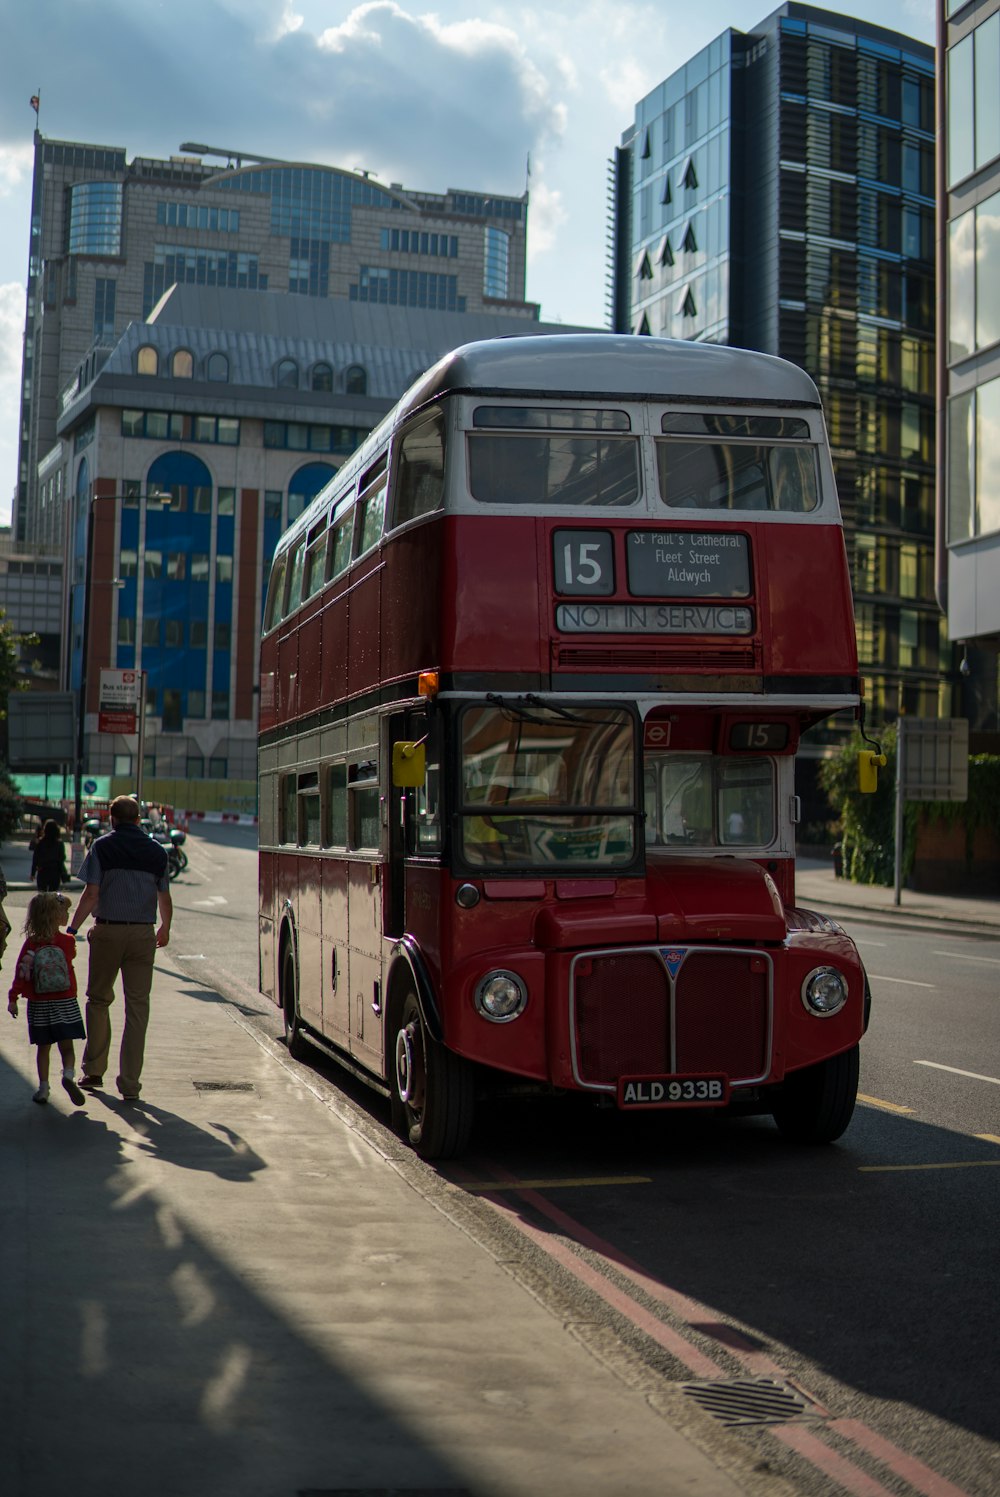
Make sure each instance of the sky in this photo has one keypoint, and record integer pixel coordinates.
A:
(483, 96)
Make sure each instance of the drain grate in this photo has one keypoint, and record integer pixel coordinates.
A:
(758, 1400)
(223, 1086)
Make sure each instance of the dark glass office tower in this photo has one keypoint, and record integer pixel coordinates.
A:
(777, 192)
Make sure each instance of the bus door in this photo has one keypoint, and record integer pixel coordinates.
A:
(365, 870)
(413, 892)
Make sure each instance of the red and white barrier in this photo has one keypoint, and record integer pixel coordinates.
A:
(220, 816)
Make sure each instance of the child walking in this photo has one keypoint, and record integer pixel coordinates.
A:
(44, 975)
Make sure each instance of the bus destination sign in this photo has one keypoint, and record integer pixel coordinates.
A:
(654, 618)
(688, 564)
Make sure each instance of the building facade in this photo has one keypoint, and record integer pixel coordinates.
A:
(777, 192)
(109, 236)
(185, 453)
(969, 346)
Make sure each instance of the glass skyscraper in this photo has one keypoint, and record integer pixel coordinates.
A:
(777, 192)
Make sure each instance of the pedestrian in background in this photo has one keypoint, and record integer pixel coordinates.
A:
(44, 976)
(48, 860)
(125, 873)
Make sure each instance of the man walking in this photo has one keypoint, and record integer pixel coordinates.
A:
(126, 877)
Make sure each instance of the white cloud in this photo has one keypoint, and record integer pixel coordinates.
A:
(546, 216)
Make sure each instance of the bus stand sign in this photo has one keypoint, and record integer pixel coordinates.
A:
(117, 707)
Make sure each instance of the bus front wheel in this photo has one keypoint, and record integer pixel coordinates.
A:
(432, 1091)
(294, 1038)
(815, 1105)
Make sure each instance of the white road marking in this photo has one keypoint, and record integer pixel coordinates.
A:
(858, 942)
(960, 956)
(214, 899)
(909, 981)
(974, 1075)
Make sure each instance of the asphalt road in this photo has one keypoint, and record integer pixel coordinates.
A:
(859, 1281)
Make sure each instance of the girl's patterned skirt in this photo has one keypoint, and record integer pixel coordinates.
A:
(54, 1019)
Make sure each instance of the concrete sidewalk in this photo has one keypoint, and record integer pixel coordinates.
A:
(817, 886)
(231, 1290)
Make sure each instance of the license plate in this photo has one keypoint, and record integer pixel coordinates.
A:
(672, 1091)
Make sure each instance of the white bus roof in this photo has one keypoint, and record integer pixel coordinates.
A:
(601, 365)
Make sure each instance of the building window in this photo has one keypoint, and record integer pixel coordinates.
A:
(217, 368)
(496, 265)
(173, 722)
(151, 633)
(223, 569)
(356, 381)
(176, 565)
(182, 364)
(199, 635)
(126, 631)
(199, 566)
(220, 705)
(147, 360)
(286, 376)
(104, 309)
(321, 378)
(218, 768)
(272, 504)
(173, 634)
(195, 767)
(95, 218)
(222, 636)
(226, 503)
(196, 704)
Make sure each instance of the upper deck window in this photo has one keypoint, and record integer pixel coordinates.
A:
(529, 463)
(741, 472)
(420, 469)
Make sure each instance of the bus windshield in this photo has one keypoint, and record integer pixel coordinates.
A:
(546, 786)
(703, 800)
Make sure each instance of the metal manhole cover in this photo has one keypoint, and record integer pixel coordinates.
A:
(758, 1400)
(223, 1086)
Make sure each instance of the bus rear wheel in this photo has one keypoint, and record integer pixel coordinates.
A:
(432, 1090)
(294, 1038)
(816, 1105)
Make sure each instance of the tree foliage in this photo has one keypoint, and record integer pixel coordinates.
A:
(867, 822)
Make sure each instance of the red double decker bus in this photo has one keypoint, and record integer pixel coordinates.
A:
(534, 670)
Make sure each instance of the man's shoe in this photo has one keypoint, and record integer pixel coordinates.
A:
(91, 1083)
(74, 1093)
(41, 1096)
(130, 1096)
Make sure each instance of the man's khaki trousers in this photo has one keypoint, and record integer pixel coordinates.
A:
(130, 950)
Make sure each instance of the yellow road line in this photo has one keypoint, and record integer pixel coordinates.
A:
(492, 1185)
(885, 1106)
(958, 1164)
(988, 1138)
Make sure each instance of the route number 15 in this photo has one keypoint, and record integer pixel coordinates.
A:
(583, 562)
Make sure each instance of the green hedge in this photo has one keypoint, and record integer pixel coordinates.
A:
(867, 822)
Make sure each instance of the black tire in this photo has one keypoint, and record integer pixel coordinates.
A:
(814, 1106)
(295, 1039)
(433, 1098)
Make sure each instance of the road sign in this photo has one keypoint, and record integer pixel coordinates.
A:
(116, 709)
(934, 758)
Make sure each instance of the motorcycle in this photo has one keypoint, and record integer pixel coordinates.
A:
(178, 838)
(165, 839)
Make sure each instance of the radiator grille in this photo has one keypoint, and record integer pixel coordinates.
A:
(622, 1012)
(623, 1004)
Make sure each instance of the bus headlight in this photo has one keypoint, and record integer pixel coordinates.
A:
(824, 992)
(501, 996)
